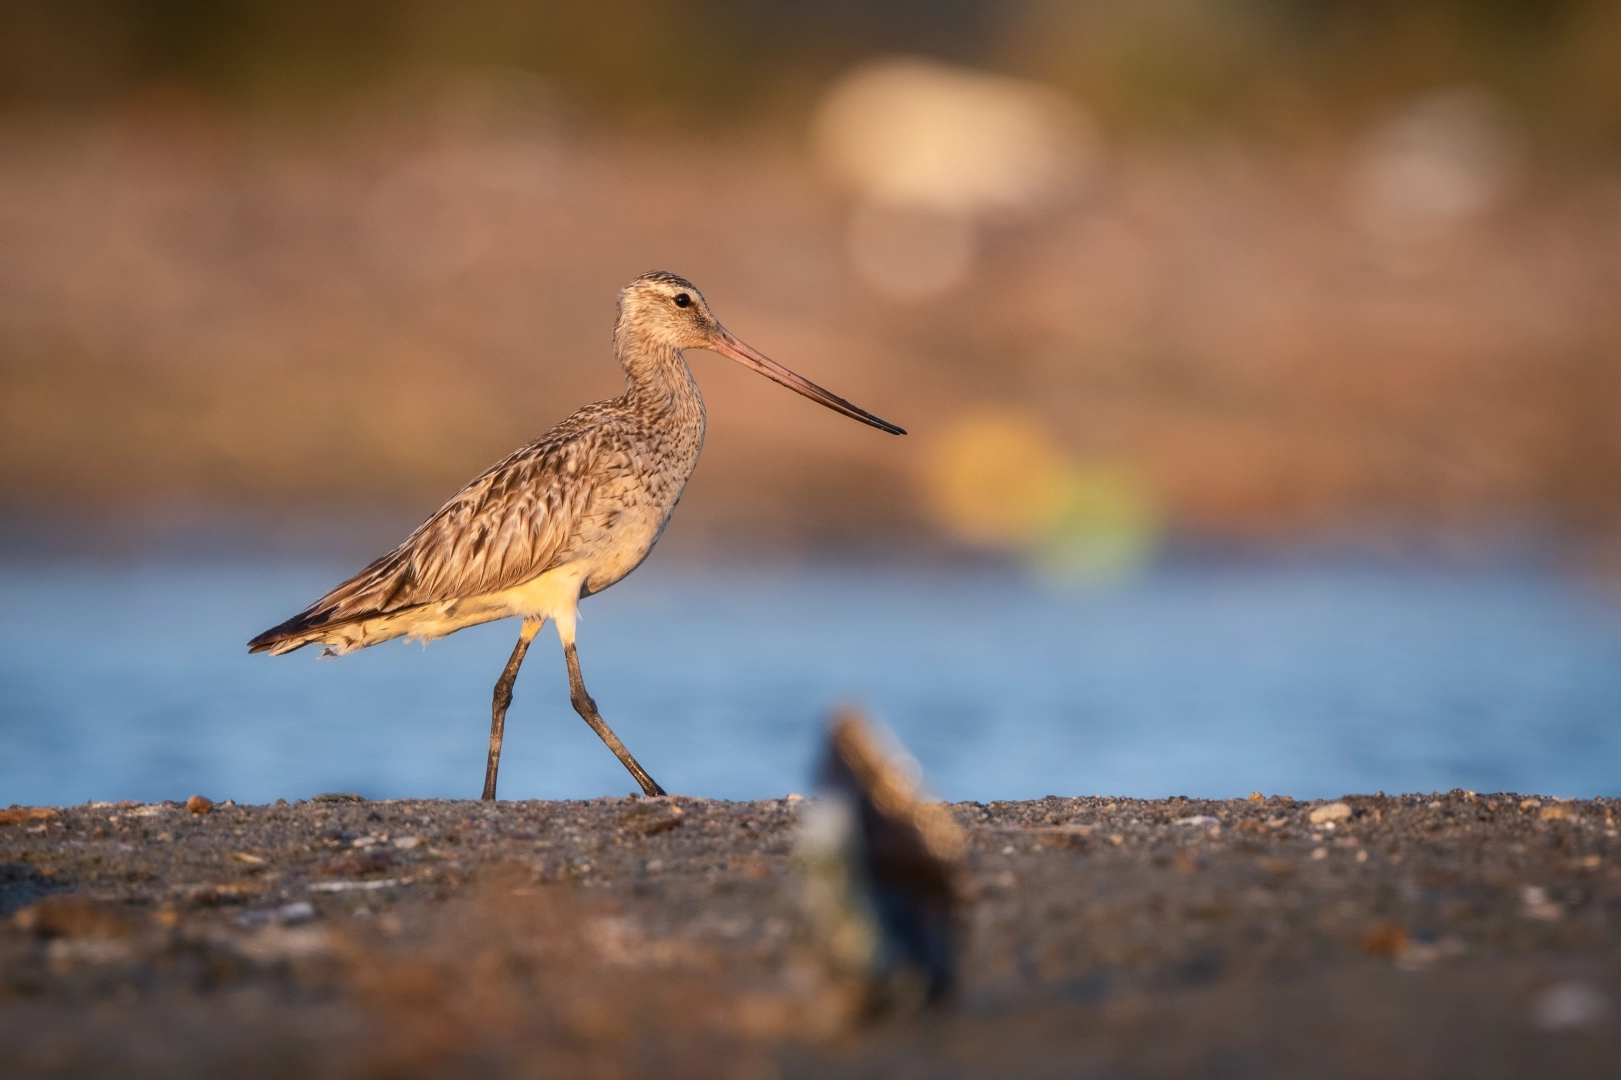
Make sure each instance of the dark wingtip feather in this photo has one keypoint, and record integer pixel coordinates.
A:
(268, 640)
(276, 635)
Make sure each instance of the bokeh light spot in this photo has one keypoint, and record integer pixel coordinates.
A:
(1000, 481)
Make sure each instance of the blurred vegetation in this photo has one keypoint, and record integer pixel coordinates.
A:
(622, 55)
(1283, 68)
(1288, 67)
(1311, 265)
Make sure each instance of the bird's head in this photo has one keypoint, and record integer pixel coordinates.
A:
(661, 311)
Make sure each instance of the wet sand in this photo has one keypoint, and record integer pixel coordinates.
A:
(1452, 935)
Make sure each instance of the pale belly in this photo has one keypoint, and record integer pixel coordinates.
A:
(604, 556)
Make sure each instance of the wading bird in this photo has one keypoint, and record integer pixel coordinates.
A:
(562, 518)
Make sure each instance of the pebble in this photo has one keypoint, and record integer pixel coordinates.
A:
(1386, 939)
(366, 886)
(1570, 1005)
(1549, 995)
(23, 814)
(1539, 906)
(297, 912)
(1334, 811)
(200, 804)
(286, 915)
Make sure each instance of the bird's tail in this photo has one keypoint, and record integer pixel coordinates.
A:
(335, 620)
(305, 628)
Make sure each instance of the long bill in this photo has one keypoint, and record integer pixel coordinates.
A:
(727, 345)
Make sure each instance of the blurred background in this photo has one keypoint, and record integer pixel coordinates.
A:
(1262, 360)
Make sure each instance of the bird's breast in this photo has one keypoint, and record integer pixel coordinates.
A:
(629, 512)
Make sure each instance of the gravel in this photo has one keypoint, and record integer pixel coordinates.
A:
(1412, 935)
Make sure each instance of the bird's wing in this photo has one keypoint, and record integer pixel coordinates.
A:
(507, 526)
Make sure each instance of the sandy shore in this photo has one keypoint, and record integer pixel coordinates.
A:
(1454, 935)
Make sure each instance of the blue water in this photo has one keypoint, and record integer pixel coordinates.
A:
(131, 681)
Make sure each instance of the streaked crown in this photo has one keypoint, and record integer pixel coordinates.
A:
(664, 309)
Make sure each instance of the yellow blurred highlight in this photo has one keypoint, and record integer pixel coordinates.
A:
(998, 480)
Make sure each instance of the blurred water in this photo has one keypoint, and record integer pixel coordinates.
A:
(131, 681)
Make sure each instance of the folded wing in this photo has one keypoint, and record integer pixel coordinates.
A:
(509, 525)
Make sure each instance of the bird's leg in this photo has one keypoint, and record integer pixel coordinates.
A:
(588, 712)
(503, 698)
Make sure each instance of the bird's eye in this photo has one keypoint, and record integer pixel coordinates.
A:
(682, 299)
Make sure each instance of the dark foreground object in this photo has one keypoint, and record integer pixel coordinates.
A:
(1457, 935)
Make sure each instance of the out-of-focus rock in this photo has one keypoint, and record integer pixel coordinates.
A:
(652, 816)
(881, 867)
(287, 914)
(214, 895)
(1539, 905)
(276, 943)
(200, 804)
(1386, 939)
(20, 815)
(75, 917)
(1570, 1005)
(1334, 811)
(355, 863)
(300, 911)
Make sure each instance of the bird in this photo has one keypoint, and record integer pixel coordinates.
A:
(559, 519)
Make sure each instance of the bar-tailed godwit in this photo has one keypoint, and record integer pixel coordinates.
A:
(557, 520)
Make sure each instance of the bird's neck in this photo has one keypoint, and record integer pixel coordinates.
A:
(658, 380)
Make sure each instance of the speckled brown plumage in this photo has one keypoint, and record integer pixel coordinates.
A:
(533, 511)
